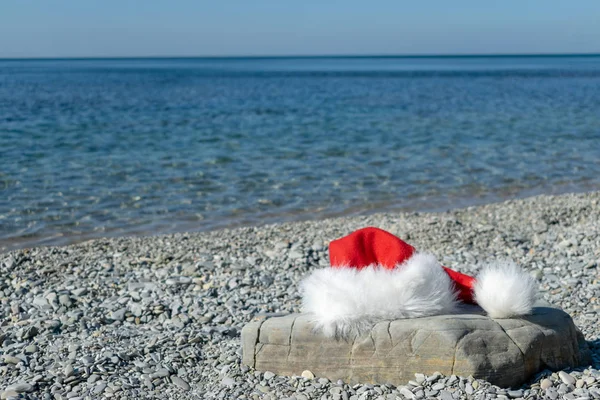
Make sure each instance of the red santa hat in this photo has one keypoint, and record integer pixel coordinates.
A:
(375, 276)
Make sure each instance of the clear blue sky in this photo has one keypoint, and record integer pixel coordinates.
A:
(84, 28)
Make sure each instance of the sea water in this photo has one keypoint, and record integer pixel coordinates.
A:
(102, 147)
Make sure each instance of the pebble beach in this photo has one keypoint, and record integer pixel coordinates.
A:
(160, 317)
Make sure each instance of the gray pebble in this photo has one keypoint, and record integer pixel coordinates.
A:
(589, 380)
(468, 388)
(566, 378)
(32, 348)
(65, 300)
(20, 387)
(99, 388)
(180, 382)
(228, 381)
(552, 393)
(68, 371)
(8, 394)
(446, 395)
(294, 254)
(407, 393)
(160, 373)
(515, 393)
(40, 302)
(79, 292)
(268, 375)
(87, 360)
(119, 315)
(11, 359)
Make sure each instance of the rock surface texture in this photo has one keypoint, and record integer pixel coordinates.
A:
(505, 352)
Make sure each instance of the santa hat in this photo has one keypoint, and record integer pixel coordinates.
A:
(375, 276)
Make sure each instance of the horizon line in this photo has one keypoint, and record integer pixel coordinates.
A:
(309, 56)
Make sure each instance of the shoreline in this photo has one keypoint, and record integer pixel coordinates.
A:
(160, 316)
(150, 230)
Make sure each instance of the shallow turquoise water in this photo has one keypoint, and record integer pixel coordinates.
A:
(142, 146)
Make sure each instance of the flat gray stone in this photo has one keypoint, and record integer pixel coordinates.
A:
(20, 387)
(505, 352)
(180, 382)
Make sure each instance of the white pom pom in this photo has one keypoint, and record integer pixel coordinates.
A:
(503, 290)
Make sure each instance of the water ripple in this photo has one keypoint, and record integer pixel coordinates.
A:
(101, 147)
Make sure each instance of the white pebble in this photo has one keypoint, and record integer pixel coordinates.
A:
(546, 383)
(268, 375)
(307, 374)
